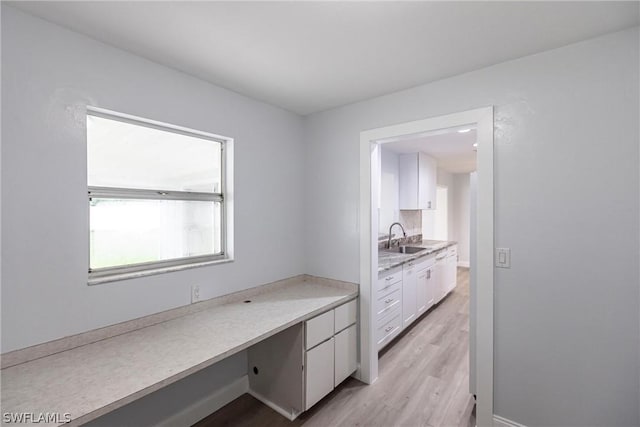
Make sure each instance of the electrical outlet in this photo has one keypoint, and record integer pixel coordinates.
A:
(195, 293)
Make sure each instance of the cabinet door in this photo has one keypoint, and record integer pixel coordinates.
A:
(421, 292)
(345, 354)
(440, 279)
(319, 372)
(430, 286)
(408, 197)
(427, 181)
(409, 306)
(451, 272)
(417, 181)
(432, 183)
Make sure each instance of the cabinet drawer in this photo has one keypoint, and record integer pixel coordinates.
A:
(319, 372)
(453, 250)
(425, 262)
(387, 315)
(345, 315)
(388, 302)
(388, 289)
(389, 330)
(318, 329)
(390, 277)
(346, 357)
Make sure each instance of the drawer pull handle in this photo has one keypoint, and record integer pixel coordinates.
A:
(389, 278)
(387, 301)
(388, 328)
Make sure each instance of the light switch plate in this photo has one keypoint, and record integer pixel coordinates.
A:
(503, 257)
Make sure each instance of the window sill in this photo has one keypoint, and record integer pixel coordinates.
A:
(153, 272)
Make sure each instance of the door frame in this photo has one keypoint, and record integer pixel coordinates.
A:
(370, 141)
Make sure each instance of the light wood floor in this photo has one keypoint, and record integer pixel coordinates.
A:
(423, 381)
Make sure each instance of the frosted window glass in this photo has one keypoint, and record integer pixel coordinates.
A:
(125, 155)
(125, 231)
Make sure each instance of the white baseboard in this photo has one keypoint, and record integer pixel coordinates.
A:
(464, 264)
(499, 421)
(208, 404)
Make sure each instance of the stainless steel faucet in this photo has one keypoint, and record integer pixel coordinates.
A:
(404, 233)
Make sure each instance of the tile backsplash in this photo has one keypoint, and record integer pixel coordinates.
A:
(412, 223)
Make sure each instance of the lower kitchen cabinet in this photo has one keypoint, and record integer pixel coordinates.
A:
(425, 289)
(451, 268)
(440, 279)
(424, 284)
(292, 370)
(409, 283)
(406, 292)
(388, 306)
(319, 372)
(346, 354)
(388, 328)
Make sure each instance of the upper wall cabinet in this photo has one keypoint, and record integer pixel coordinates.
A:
(417, 181)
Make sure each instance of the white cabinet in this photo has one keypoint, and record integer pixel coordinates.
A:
(331, 351)
(431, 287)
(417, 181)
(425, 289)
(388, 306)
(319, 329)
(295, 368)
(440, 278)
(424, 284)
(346, 354)
(451, 268)
(421, 292)
(388, 328)
(409, 284)
(319, 372)
(345, 315)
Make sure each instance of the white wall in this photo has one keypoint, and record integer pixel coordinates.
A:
(49, 75)
(566, 314)
(461, 216)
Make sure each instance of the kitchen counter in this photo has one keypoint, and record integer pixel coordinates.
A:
(389, 260)
(91, 380)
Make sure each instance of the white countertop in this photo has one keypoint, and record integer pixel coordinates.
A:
(93, 379)
(390, 259)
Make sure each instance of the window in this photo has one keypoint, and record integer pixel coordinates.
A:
(156, 196)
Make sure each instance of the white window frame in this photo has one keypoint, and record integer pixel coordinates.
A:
(224, 197)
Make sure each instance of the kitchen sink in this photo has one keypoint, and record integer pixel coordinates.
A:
(406, 249)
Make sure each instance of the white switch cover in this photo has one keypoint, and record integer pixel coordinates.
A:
(195, 293)
(503, 257)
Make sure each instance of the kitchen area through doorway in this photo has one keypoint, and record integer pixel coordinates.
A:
(421, 299)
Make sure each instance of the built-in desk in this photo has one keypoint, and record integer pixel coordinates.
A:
(94, 379)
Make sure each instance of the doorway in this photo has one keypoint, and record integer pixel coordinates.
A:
(482, 277)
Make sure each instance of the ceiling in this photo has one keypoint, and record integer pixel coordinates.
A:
(453, 151)
(312, 56)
